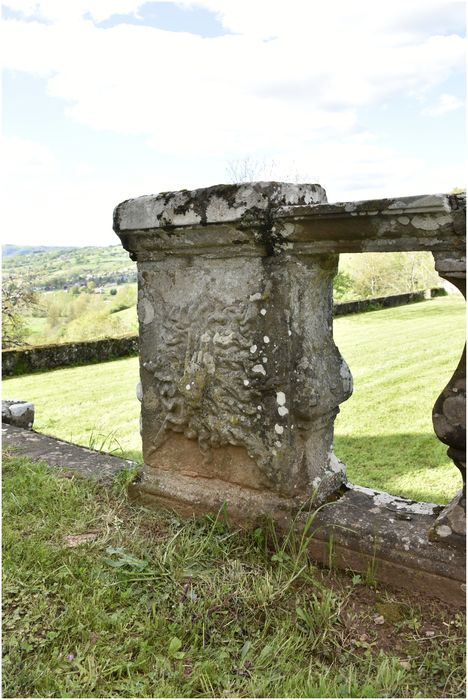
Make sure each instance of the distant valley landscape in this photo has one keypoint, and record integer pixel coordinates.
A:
(78, 293)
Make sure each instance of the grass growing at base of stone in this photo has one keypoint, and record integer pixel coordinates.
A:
(400, 358)
(105, 599)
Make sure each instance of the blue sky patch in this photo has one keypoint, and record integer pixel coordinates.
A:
(171, 18)
(8, 13)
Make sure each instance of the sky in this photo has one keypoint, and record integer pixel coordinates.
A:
(104, 100)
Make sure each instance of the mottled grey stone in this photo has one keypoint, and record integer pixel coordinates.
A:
(449, 418)
(17, 412)
(240, 377)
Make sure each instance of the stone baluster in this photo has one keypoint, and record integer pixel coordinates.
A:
(449, 417)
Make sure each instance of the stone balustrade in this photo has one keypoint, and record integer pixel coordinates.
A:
(241, 380)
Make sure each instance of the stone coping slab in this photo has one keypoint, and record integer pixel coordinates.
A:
(264, 218)
(59, 453)
(216, 204)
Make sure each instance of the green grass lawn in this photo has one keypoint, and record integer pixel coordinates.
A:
(102, 598)
(400, 358)
(129, 319)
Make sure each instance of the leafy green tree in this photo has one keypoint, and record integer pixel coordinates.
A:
(18, 300)
(383, 274)
(92, 325)
(54, 312)
(342, 284)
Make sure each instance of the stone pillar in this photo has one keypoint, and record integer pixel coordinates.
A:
(449, 417)
(240, 377)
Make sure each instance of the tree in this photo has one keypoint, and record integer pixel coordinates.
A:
(18, 300)
(382, 274)
(248, 170)
(342, 284)
(251, 169)
(54, 312)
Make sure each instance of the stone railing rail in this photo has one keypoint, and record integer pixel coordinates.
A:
(240, 377)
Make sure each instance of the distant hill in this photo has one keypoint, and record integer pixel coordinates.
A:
(10, 249)
(54, 267)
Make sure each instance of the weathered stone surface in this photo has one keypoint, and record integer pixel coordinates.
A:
(17, 412)
(221, 405)
(423, 222)
(218, 204)
(449, 418)
(371, 531)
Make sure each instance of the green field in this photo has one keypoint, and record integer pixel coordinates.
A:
(400, 359)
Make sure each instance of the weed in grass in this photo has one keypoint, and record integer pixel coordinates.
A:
(319, 614)
(370, 577)
(105, 443)
(125, 477)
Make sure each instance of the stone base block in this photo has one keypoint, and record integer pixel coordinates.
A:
(450, 526)
(193, 496)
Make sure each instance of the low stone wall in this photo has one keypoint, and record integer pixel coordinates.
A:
(352, 307)
(45, 357)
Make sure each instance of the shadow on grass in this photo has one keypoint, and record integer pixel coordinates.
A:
(413, 465)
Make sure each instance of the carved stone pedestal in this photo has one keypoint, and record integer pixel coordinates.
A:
(240, 377)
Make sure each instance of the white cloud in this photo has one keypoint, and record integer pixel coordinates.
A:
(235, 92)
(445, 103)
(288, 83)
(22, 158)
(298, 18)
